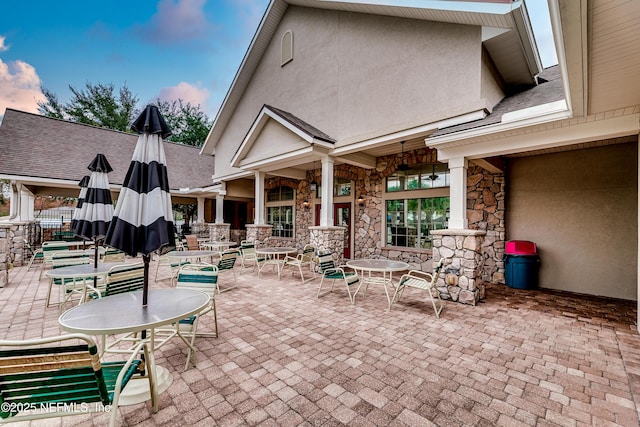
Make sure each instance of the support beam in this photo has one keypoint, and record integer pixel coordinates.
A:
(326, 208)
(458, 193)
(200, 215)
(259, 198)
(219, 209)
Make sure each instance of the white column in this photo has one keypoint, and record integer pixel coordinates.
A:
(200, 217)
(458, 194)
(259, 198)
(326, 208)
(219, 209)
(638, 273)
(27, 205)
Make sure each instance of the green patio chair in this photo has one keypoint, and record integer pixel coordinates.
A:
(421, 280)
(332, 272)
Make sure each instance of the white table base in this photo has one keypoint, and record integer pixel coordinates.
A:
(137, 390)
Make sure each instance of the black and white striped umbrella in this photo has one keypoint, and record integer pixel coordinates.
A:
(143, 217)
(96, 210)
(84, 182)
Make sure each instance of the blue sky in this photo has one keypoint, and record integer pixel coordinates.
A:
(168, 49)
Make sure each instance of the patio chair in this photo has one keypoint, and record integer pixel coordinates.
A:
(123, 278)
(113, 255)
(66, 286)
(201, 277)
(49, 249)
(331, 272)
(33, 254)
(165, 261)
(306, 258)
(192, 242)
(227, 262)
(248, 255)
(421, 280)
(64, 379)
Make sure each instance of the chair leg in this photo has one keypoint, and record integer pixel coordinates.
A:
(320, 294)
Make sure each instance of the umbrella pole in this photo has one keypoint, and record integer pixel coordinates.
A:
(95, 264)
(146, 258)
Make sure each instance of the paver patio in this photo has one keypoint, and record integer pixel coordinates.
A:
(284, 357)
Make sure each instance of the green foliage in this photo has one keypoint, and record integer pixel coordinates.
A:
(100, 105)
(96, 105)
(189, 124)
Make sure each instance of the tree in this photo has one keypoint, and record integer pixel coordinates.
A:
(98, 105)
(189, 124)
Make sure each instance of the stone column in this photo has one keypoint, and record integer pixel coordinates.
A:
(328, 239)
(258, 232)
(219, 232)
(462, 251)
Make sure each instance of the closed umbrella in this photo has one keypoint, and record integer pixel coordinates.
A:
(143, 218)
(84, 182)
(96, 211)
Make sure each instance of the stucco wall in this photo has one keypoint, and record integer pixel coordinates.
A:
(580, 207)
(356, 76)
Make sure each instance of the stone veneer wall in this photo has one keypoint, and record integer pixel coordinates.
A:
(329, 239)
(486, 212)
(11, 249)
(463, 252)
(219, 232)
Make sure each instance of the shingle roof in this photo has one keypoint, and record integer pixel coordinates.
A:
(43, 147)
(549, 89)
(305, 127)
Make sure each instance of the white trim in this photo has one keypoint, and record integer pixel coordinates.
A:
(409, 133)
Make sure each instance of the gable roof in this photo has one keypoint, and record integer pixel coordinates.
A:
(314, 137)
(43, 147)
(507, 37)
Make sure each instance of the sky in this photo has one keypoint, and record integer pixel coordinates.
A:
(167, 49)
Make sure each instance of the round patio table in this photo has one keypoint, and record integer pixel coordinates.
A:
(124, 313)
(385, 266)
(272, 257)
(80, 272)
(191, 255)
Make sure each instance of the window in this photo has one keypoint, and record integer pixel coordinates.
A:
(280, 211)
(341, 187)
(410, 220)
(287, 48)
(427, 175)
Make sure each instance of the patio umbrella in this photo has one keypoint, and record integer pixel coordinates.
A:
(143, 218)
(84, 182)
(97, 207)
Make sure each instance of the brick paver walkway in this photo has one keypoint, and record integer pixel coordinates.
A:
(284, 357)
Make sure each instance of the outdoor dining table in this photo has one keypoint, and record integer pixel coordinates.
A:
(195, 255)
(218, 246)
(124, 313)
(81, 272)
(365, 268)
(272, 257)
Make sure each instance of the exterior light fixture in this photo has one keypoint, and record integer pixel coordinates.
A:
(313, 185)
(360, 200)
(305, 204)
(403, 166)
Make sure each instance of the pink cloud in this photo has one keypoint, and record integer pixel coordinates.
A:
(195, 95)
(19, 87)
(176, 21)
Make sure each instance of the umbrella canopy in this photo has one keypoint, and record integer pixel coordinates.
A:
(96, 209)
(84, 182)
(143, 218)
